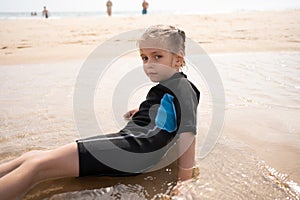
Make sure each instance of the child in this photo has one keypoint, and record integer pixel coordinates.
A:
(167, 116)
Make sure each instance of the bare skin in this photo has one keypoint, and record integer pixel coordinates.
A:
(186, 160)
(21, 173)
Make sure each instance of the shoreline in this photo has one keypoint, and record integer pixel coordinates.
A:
(26, 41)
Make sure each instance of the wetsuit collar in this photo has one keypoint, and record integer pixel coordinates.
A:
(177, 75)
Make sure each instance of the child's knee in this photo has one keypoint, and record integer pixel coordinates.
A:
(31, 155)
(32, 160)
(33, 164)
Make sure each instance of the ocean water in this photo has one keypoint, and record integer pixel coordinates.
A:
(262, 106)
(59, 15)
(120, 9)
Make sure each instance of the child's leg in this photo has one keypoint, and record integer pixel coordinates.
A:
(10, 165)
(7, 167)
(38, 166)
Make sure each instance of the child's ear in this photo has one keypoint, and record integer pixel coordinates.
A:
(180, 58)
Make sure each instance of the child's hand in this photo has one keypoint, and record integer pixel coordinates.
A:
(130, 113)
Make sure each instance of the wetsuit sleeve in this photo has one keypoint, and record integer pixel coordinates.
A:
(188, 99)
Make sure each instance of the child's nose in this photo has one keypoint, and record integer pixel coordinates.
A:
(151, 60)
(148, 65)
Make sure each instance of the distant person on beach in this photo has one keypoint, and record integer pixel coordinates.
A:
(145, 6)
(45, 12)
(166, 119)
(108, 6)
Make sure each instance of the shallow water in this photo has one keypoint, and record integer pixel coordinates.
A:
(262, 106)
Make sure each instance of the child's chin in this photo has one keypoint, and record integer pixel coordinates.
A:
(154, 80)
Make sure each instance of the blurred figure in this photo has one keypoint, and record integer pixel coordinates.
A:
(109, 5)
(45, 12)
(145, 6)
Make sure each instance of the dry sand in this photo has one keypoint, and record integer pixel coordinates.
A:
(41, 40)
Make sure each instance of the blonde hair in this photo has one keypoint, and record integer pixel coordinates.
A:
(164, 37)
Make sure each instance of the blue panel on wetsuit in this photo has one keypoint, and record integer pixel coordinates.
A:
(166, 114)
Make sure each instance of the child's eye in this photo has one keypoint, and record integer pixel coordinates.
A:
(144, 58)
(158, 57)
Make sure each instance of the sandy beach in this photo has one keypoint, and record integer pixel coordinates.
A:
(271, 132)
(40, 40)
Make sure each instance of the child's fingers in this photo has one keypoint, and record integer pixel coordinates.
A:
(129, 114)
(126, 115)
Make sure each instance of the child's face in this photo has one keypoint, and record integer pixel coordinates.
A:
(159, 65)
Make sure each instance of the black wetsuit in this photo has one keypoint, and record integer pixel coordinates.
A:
(170, 108)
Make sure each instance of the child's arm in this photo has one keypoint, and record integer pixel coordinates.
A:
(186, 161)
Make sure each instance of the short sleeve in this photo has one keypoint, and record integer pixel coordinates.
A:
(186, 103)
